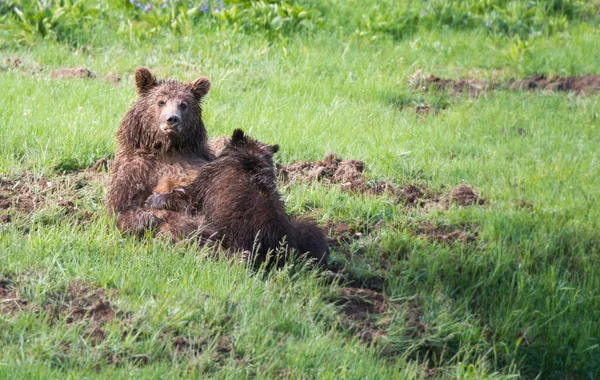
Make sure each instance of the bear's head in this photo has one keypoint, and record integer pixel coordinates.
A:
(166, 116)
(254, 156)
(240, 142)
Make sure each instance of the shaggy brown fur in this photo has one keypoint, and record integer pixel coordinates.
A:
(237, 193)
(161, 136)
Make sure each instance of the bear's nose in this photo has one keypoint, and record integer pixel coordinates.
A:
(173, 119)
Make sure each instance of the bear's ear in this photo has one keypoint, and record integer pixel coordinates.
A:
(144, 80)
(238, 137)
(200, 87)
(274, 148)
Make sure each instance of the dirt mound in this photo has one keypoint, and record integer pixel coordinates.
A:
(465, 196)
(18, 195)
(74, 73)
(358, 307)
(580, 85)
(474, 87)
(586, 84)
(349, 174)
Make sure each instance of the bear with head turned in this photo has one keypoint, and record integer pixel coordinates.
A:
(162, 135)
(237, 193)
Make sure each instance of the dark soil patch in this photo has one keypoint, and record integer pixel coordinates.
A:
(359, 309)
(580, 85)
(350, 176)
(28, 193)
(18, 195)
(464, 195)
(85, 302)
(80, 302)
(189, 346)
(585, 85)
(74, 73)
(10, 302)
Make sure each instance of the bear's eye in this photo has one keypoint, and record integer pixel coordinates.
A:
(183, 106)
(161, 103)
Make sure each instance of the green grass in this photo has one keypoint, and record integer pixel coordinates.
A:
(521, 299)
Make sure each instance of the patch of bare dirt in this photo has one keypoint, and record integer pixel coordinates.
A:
(10, 302)
(464, 195)
(473, 87)
(81, 302)
(580, 85)
(349, 174)
(18, 196)
(187, 346)
(86, 302)
(74, 73)
(342, 233)
(29, 192)
(446, 234)
(358, 308)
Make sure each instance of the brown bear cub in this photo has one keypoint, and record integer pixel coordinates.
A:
(237, 193)
(161, 136)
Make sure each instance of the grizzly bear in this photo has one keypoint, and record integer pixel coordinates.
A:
(237, 194)
(162, 135)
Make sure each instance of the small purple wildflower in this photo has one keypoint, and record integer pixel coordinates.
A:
(204, 6)
(488, 24)
(148, 7)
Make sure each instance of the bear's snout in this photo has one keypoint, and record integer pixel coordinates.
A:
(173, 120)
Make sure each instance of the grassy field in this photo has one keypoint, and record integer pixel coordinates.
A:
(505, 287)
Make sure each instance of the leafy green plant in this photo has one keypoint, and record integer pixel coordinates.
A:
(44, 19)
(272, 16)
(505, 17)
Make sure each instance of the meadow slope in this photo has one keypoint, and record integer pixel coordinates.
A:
(503, 283)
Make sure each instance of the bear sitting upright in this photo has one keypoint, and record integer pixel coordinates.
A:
(161, 135)
(237, 193)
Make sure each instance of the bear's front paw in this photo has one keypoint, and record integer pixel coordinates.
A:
(151, 221)
(157, 201)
